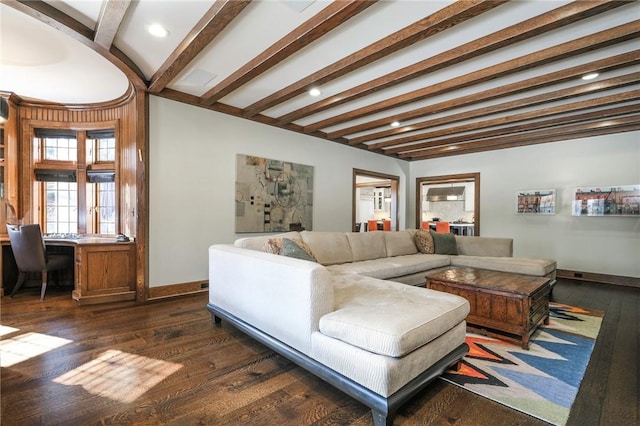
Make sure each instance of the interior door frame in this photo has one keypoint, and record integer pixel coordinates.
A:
(394, 185)
(457, 178)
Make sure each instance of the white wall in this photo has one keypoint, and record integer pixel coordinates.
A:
(192, 185)
(192, 182)
(607, 245)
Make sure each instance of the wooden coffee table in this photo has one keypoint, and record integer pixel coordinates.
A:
(503, 305)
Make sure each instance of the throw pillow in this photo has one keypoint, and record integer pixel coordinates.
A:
(424, 241)
(297, 249)
(445, 243)
(273, 245)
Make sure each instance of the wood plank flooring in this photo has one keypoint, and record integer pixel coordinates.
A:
(166, 363)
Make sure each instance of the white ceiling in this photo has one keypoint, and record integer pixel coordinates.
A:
(41, 62)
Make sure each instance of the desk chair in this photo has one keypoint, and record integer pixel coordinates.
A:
(443, 227)
(30, 253)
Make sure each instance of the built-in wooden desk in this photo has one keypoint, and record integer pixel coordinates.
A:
(105, 270)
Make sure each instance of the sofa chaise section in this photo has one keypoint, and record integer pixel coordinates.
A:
(393, 330)
(323, 322)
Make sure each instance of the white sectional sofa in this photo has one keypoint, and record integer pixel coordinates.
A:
(349, 316)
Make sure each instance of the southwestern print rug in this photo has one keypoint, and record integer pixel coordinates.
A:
(542, 381)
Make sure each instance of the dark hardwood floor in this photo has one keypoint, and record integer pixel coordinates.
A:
(165, 362)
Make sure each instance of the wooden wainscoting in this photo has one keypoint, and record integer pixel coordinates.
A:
(599, 278)
(165, 291)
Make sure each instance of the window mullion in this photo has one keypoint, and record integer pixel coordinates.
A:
(82, 182)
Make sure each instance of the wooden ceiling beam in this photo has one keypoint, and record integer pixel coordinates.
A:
(439, 21)
(599, 40)
(604, 65)
(583, 105)
(109, 21)
(521, 31)
(541, 140)
(599, 102)
(627, 124)
(406, 151)
(217, 18)
(544, 98)
(319, 25)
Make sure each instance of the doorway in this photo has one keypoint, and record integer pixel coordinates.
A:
(463, 208)
(375, 197)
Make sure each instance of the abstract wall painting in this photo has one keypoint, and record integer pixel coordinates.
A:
(273, 195)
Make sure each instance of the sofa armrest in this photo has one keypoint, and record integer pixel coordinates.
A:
(282, 296)
(485, 246)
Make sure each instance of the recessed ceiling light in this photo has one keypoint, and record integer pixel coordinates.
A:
(315, 92)
(395, 124)
(590, 76)
(157, 30)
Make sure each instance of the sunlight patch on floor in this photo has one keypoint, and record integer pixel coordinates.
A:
(4, 330)
(118, 375)
(25, 346)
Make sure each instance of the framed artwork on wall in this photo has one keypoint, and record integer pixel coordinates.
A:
(536, 201)
(622, 200)
(273, 195)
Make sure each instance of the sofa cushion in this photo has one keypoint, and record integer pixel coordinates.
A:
(399, 243)
(424, 241)
(389, 318)
(485, 246)
(383, 375)
(328, 247)
(391, 267)
(516, 265)
(367, 245)
(444, 243)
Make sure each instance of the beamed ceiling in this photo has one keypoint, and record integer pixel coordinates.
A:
(456, 76)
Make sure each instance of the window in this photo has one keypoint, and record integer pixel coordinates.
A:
(101, 189)
(62, 207)
(101, 207)
(61, 148)
(74, 169)
(106, 149)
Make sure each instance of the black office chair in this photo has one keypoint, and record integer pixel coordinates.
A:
(30, 253)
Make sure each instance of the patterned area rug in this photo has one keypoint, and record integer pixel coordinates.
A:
(543, 381)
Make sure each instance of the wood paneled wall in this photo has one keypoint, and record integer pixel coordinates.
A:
(10, 169)
(130, 115)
